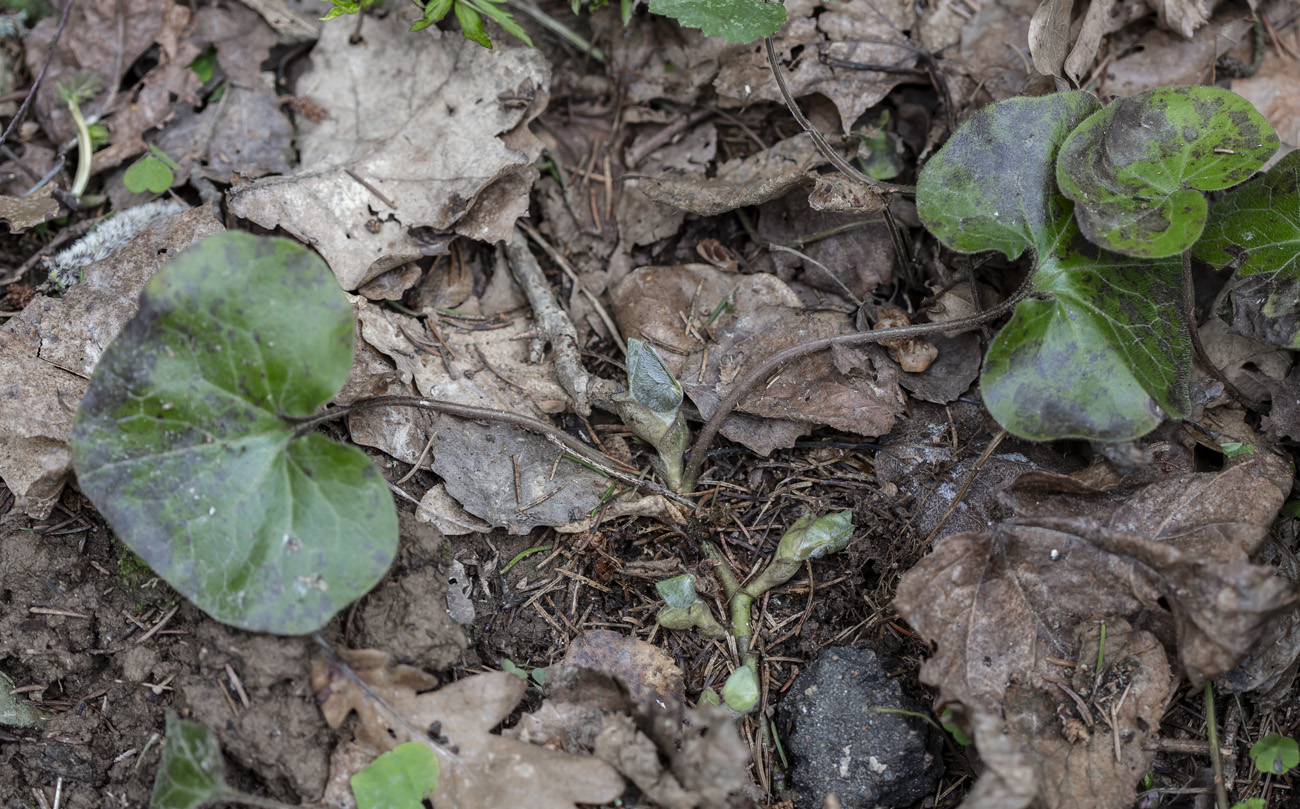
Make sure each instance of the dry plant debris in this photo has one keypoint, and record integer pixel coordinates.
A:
(479, 768)
(441, 142)
(1159, 558)
(50, 349)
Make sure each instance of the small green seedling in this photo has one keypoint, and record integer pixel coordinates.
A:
(400, 779)
(683, 609)
(1232, 449)
(1275, 754)
(1250, 803)
(652, 409)
(809, 538)
(154, 173)
(537, 675)
(192, 772)
(949, 723)
(75, 92)
(188, 443)
(1099, 348)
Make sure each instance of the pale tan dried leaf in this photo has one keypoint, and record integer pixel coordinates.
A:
(428, 146)
(486, 769)
(1049, 36)
(22, 213)
(50, 349)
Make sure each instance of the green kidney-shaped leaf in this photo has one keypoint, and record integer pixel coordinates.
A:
(191, 773)
(186, 442)
(1136, 169)
(993, 184)
(148, 174)
(1275, 754)
(1105, 355)
(399, 779)
(736, 21)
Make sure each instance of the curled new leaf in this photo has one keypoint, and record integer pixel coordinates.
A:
(1136, 169)
(808, 538)
(741, 689)
(652, 409)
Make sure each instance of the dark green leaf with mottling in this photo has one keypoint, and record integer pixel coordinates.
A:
(1137, 168)
(186, 442)
(1100, 351)
(1256, 229)
(992, 186)
(1104, 356)
(736, 21)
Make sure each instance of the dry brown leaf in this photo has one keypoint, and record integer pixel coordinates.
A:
(439, 141)
(50, 349)
(105, 37)
(1159, 557)
(870, 33)
(1274, 91)
(1049, 36)
(1084, 53)
(765, 317)
(503, 476)
(649, 673)
(486, 769)
(1182, 17)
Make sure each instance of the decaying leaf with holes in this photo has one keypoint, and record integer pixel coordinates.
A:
(1158, 558)
(483, 769)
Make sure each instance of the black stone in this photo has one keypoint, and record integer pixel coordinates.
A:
(839, 744)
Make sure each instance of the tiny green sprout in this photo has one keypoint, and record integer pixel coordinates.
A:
(75, 92)
(470, 14)
(683, 609)
(1250, 803)
(652, 409)
(740, 692)
(1275, 754)
(949, 723)
(153, 172)
(13, 711)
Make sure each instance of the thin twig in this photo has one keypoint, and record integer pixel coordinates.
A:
(582, 451)
(763, 369)
(901, 247)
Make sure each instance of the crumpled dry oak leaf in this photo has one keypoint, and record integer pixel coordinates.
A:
(1161, 557)
(483, 769)
(423, 131)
